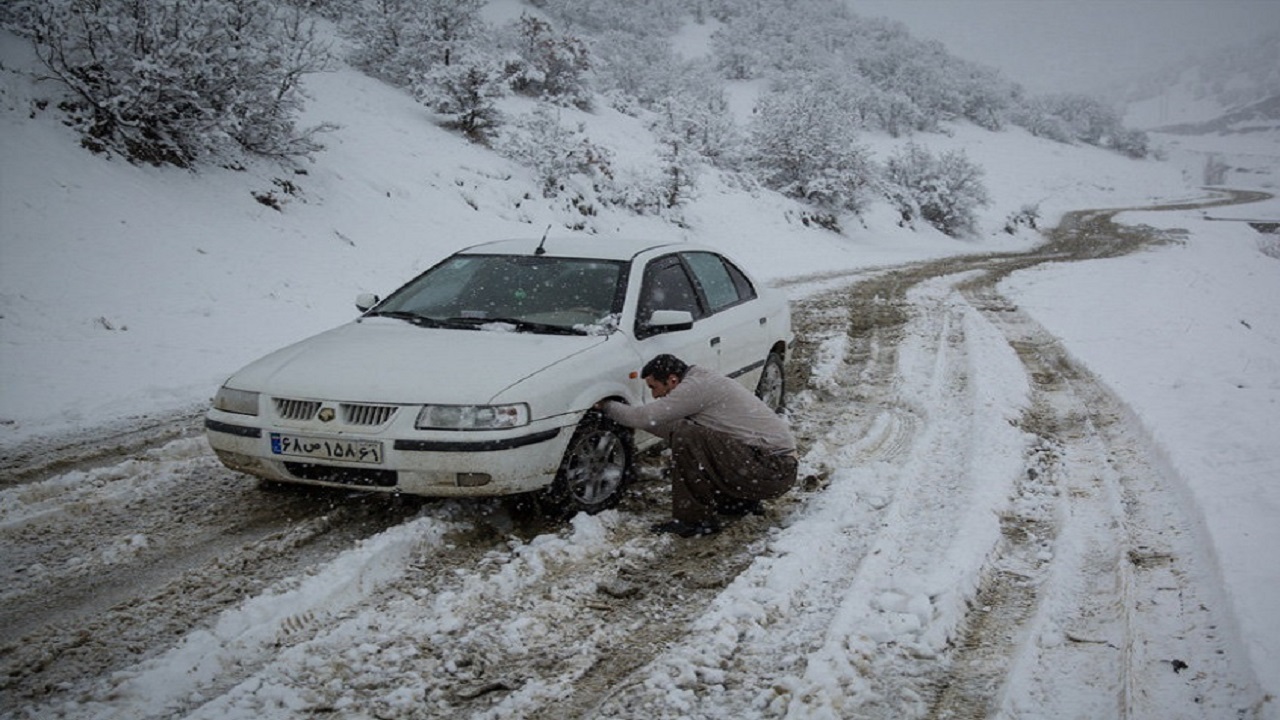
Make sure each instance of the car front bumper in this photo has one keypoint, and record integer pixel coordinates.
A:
(437, 464)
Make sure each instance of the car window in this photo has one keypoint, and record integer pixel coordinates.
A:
(718, 281)
(666, 287)
(746, 291)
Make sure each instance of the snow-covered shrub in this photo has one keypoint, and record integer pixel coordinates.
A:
(677, 132)
(401, 41)
(1089, 119)
(944, 191)
(694, 125)
(1027, 216)
(763, 39)
(643, 191)
(736, 48)
(548, 65)
(986, 97)
(904, 84)
(650, 18)
(803, 145)
(1074, 117)
(689, 96)
(174, 82)
(892, 111)
(465, 94)
(1036, 116)
(556, 153)
(1134, 143)
(643, 70)
(707, 118)
(331, 9)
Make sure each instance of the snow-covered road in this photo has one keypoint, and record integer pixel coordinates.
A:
(980, 530)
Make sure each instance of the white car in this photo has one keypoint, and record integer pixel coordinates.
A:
(477, 377)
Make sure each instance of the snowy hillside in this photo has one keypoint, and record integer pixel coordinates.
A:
(129, 287)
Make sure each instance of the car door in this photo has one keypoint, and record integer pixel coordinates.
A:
(668, 285)
(735, 322)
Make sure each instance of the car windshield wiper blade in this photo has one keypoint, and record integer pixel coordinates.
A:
(412, 317)
(520, 325)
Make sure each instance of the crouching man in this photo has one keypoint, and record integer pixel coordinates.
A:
(729, 450)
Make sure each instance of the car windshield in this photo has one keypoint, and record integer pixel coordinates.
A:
(513, 292)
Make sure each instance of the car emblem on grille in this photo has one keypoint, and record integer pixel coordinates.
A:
(326, 414)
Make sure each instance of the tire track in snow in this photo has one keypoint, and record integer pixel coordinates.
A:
(520, 629)
(109, 566)
(40, 457)
(1113, 586)
(247, 636)
(903, 603)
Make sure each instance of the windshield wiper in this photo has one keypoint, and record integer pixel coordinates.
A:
(411, 317)
(519, 325)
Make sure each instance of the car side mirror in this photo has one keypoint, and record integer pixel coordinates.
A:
(670, 320)
(364, 301)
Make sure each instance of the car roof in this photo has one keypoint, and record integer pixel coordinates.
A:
(580, 247)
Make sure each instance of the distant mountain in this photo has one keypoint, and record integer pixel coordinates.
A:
(1231, 89)
(1261, 116)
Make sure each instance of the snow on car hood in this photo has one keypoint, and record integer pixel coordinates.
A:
(390, 361)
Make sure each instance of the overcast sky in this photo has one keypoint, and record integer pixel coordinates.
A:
(1069, 45)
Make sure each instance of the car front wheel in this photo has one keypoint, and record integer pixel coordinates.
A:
(772, 387)
(594, 471)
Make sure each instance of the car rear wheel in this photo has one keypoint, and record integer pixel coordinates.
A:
(772, 386)
(595, 469)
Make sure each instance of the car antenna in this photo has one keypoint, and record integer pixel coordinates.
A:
(541, 250)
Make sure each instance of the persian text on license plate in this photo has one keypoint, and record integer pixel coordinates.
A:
(361, 451)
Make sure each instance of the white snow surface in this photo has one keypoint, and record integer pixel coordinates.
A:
(131, 291)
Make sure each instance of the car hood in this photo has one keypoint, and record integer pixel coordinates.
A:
(381, 360)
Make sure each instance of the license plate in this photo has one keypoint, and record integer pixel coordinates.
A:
(361, 451)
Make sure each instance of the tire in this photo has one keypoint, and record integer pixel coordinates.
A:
(772, 387)
(596, 468)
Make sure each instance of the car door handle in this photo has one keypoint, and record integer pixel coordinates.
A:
(715, 341)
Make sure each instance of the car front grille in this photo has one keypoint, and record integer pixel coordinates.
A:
(296, 409)
(352, 413)
(367, 414)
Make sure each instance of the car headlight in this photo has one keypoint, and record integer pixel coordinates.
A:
(241, 402)
(472, 417)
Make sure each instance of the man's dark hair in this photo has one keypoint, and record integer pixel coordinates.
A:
(662, 367)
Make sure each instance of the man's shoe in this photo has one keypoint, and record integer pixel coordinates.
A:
(686, 529)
